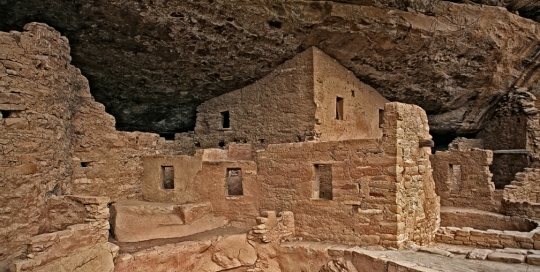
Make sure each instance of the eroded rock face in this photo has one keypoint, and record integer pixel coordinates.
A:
(152, 62)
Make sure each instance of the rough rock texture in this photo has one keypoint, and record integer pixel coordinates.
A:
(219, 254)
(152, 62)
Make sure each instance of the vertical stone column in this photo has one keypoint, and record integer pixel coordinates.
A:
(418, 206)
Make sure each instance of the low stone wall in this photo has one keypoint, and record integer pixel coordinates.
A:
(80, 247)
(488, 238)
(482, 220)
(272, 228)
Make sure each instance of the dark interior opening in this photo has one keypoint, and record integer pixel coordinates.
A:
(323, 179)
(5, 113)
(167, 136)
(443, 139)
(234, 182)
(339, 108)
(274, 24)
(167, 177)
(85, 164)
(381, 118)
(221, 144)
(225, 119)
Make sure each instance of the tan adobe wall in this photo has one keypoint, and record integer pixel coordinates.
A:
(276, 109)
(463, 179)
(522, 196)
(379, 195)
(36, 85)
(203, 178)
(361, 103)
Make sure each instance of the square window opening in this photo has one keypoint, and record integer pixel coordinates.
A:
(225, 119)
(167, 177)
(5, 113)
(323, 181)
(234, 182)
(339, 108)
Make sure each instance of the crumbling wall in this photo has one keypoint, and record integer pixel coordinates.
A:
(359, 105)
(522, 196)
(514, 125)
(463, 179)
(37, 85)
(78, 247)
(376, 198)
(276, 109)
(107, 162)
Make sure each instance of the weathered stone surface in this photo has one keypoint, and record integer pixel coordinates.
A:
(506, 257)
(217, 254)
(479, 254)
(457, 66)
(134, 221)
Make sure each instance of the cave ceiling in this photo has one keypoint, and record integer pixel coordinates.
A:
(152, 62)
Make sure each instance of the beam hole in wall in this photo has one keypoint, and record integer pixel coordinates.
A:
(381, 118)
(274, 24)
(85, 164)
(352, 93)
(234, 182)
(225, 119)
(221, 144)
(167, 177)
(167, 136)
(5, 113)
(323, 181)
(339, 108)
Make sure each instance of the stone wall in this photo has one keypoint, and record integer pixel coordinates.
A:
(405, 126)
(463, 179)
(276, 109)
(78, 247)
(522, 196)
(382, 191)
(203, 178)
(56, 139)
(361, 104)
(36, 85)
(515, 125)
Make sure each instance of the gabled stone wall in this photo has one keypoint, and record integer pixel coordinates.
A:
(276, 109)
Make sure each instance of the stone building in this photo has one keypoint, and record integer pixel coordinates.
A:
(306, 153)
(309, 138)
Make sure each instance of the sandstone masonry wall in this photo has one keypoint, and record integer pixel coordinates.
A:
(377, 196)
(463, 179)
(36, 85)
(361, 104)
(276, 109)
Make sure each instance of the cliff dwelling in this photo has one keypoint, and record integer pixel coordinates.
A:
(321, 136)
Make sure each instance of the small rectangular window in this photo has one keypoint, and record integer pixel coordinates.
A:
(234, 182)
(339, 108)
(225, 119)
(323, 181)
(381, 118)
(167, 177)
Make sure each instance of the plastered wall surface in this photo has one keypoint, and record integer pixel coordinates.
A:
(361, 103)
(278, 108)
